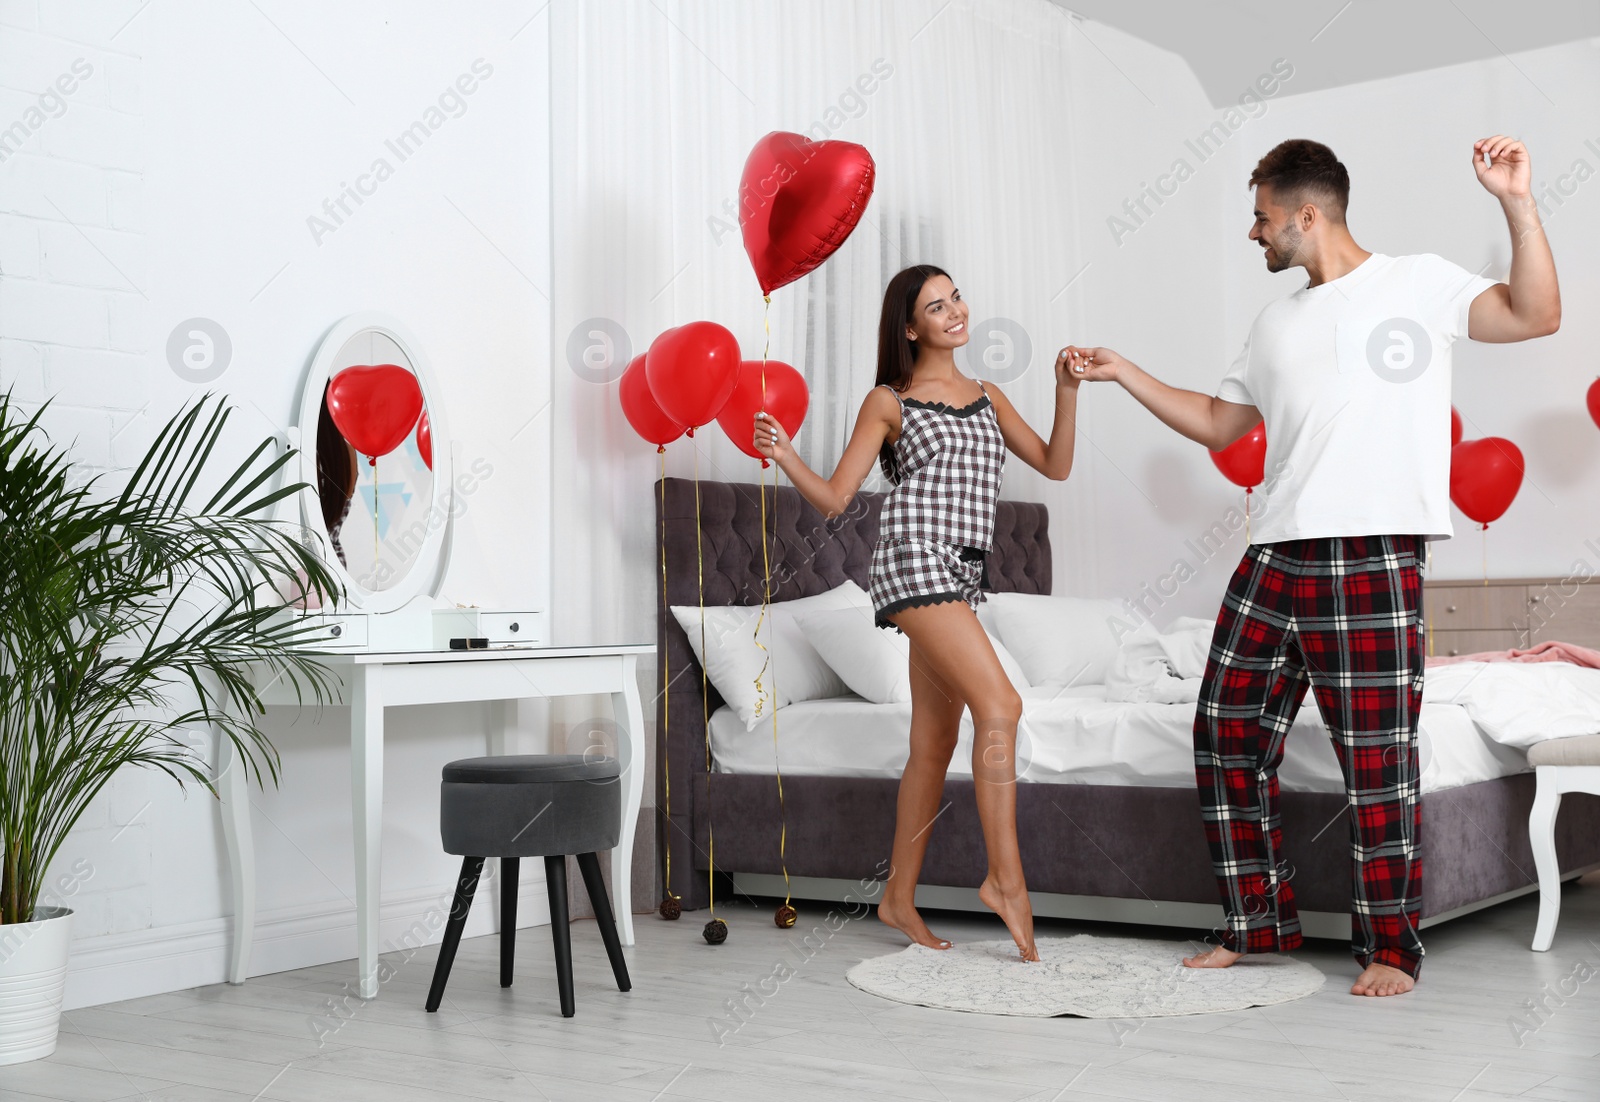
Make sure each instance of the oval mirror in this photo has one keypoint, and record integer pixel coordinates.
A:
(374, 453)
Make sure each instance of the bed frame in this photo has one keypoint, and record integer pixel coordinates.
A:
(1096, 852)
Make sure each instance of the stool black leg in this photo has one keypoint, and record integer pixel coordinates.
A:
(509, 867)
(471, 869)
(555, 878)
(589, 865)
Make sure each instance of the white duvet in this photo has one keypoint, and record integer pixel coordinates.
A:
(1520, 703)
(1075, 736)
(1161, 667)
(1136, 729)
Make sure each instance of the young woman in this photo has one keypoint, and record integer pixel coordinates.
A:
(941, 439)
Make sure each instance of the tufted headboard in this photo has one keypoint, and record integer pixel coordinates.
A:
(809, 554)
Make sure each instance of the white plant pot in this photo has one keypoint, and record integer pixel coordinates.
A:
(33, 981)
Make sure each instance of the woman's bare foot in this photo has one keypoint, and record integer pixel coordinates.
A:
(1215, 957)
(1015, 910)
(906, 919)
(1380, 979)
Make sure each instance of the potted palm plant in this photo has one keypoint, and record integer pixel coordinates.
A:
(131, 620)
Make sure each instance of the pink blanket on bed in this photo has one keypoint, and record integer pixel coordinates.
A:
(1551, 651)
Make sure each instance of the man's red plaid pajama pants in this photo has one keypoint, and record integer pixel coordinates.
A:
(1341, 615)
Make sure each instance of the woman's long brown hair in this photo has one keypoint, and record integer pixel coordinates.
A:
(897, 354)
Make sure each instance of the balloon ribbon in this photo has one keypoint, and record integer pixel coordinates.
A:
(666, 705)
(705, 709)
(766, 602)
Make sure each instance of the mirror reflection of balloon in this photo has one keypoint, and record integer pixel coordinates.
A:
(374, 406)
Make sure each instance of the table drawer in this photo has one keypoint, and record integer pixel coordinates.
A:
(1476, 607)
(512, 627)
(495, 626)
(336, 632)
(1567, 612)
(1450, 644)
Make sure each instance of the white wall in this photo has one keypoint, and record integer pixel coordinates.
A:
(178, 184)
(1153, 290)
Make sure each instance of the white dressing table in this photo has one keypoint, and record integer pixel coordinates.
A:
(373, 681)
(380, 488)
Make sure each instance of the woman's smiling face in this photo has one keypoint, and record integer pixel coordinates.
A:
(940, 317)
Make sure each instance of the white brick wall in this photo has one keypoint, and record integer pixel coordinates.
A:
(74, 272)
(75, 320)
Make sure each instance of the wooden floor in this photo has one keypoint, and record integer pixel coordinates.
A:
(1465, 1033)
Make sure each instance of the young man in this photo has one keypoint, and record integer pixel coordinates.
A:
(1351, 375)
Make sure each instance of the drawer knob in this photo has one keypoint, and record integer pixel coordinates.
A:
(515, 626)
(1534, 600)
(1454, 652)
(336, 630)
(1452, 608)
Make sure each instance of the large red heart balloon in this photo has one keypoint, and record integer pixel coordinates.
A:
(1455, 427)
(639, 406)
(425, 439)
(1245, 460)
(374, 406)
(798, 201)
(691, 370)
(1594, 401)
(1485, 476)
(787, 399)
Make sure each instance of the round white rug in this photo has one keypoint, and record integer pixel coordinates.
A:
(1087, 976)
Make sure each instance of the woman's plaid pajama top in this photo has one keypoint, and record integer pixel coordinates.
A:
(938, 523)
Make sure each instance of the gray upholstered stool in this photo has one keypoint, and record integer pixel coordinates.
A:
(1561, 765)
(530, 805)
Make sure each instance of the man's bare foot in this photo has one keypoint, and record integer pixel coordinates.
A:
(1215, 957)
(1379, 979)
(906, 919)
(1015, 910)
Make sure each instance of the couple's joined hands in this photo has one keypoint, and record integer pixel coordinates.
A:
(1095, 365)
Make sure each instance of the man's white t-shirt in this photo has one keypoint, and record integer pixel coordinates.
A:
(1352, 378)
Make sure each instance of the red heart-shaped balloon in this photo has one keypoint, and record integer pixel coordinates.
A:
(1245, 460)
(798, 201)
(425, 439)
(640, 408)
(1485, 476)
(787, 399)
(1455, 427)
(691, 370)
(374, 406)
(1594, 401)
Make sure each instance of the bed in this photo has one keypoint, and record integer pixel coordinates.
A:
(1107, 814)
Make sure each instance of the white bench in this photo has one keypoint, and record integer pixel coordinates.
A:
(1561, 765)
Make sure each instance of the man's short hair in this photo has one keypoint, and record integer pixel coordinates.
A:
(1300, 171)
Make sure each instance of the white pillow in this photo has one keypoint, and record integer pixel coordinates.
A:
(876, 662)
(1058, 640)
(734, 662)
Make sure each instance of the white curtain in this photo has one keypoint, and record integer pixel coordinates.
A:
(655, 104)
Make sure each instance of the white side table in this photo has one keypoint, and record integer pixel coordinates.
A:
(371, 682)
